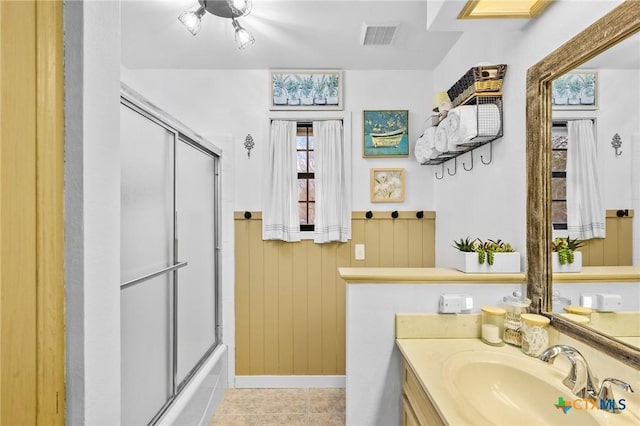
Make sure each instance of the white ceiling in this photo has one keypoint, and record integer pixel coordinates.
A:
(289, 34)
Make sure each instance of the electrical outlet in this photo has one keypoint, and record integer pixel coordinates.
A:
(359, 252)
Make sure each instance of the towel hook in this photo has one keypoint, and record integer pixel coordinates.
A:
(442, 174)
(455, 167)
(616, 143)
(490, 155)
(464, 164)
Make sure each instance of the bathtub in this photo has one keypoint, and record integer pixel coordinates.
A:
(197, 402)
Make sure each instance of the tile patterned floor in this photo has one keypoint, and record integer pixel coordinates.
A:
(290, 407)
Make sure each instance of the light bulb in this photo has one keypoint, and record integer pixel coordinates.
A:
(192, 19)
(244, 38)
(240, 7)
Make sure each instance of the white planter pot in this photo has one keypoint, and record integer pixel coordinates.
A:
(332, 100)
(504, 263)
(576, 266)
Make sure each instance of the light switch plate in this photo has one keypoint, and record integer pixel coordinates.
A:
(359, 252)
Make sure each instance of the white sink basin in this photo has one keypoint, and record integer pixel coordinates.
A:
(473, 384)
(512, 389)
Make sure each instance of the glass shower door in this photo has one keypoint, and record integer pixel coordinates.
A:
(196, 241)
(146, 247)
(168, 258)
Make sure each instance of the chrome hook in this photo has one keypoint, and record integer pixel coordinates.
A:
(455, 167)
(442, 174)
(490, 155)
(464, 166)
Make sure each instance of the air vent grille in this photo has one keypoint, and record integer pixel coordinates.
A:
(378, 35)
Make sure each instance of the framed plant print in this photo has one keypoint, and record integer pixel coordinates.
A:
(575, 90)
(306, 90)
(385, 133)
(388, 185)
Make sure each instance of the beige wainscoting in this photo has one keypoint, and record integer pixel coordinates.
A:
(614, 250)
(290, 299)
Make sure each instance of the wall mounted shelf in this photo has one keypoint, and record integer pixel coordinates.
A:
(488, 129)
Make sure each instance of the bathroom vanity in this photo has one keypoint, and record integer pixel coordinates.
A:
(373, 297)
(466, 382)
(376, 377)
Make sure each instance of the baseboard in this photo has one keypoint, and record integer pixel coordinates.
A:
(290, 381)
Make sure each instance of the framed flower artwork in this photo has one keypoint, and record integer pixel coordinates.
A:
(388, 185)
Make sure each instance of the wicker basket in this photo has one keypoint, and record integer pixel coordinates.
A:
(477, 80)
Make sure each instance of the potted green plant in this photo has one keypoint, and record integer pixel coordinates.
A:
(491, 256)
(564, 255)
(333, 85)
(560, 89)
(319, 88)
(306, 90)
(293, 91)
(279, 91)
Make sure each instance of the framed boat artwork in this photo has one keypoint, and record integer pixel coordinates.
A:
(385, 133)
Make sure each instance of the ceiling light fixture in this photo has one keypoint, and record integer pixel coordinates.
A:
(231, 9)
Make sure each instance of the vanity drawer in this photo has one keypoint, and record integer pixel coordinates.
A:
(408, 416)
(417, 400)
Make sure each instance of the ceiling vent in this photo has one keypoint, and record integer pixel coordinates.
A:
(378, 35)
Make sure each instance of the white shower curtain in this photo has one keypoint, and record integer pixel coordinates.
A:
(333, 198)
(280, 216)
(585, 211)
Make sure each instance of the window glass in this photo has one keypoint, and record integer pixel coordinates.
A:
(306, 177)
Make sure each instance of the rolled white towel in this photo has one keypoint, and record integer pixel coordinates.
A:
(462, 122)
(453, 142)
(429, 136)
(420, 150)
(433, 153)
(485, 122)
(440, 139)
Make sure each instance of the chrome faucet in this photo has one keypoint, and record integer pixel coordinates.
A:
(580, 380)
(606, 400)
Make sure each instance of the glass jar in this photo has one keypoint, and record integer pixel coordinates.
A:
(514, 307)
(535, 334)
(492, 325)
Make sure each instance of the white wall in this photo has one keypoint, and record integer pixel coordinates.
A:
(92, 211)
(490, 201)
(224, 106)
(236, 102)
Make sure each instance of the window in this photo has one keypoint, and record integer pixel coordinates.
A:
(559, 139)
(306, 176)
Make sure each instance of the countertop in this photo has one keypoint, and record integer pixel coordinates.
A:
(448, 275)
(434, 363)
(422, 275)
(600, 274)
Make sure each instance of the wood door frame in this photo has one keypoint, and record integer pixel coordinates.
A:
(32, 358)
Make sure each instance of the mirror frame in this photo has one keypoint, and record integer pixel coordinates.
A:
(620, 23)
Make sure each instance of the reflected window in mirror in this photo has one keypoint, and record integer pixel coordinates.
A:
(559, 139)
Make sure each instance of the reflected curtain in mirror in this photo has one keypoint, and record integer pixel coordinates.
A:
(585, 211)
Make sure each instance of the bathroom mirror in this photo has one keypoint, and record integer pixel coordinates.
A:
(618, 25)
